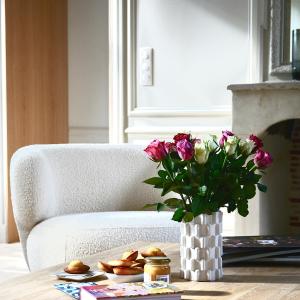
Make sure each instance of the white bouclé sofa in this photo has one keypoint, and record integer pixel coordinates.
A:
(73, 200)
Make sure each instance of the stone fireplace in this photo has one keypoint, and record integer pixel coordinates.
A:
(271, 110)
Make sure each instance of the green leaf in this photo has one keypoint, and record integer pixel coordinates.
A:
(178, 215)
(262, 187)
(173, 203)
(249, 191)
(188, 217)
(242, 206)
(250, 164)
(202, 190)
(154, 181)
(214, 206)
(160, 206)
(163, 174)
(167, 188)
(168, 164)
(231, 207)
(198, 206)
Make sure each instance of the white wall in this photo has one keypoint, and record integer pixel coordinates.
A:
(200, 47)
(88, 70)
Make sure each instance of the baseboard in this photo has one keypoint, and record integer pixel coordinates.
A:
(88, 134)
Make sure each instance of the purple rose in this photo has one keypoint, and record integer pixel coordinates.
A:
(262, 159)
(185, 149)
(156, 150)
(257, 141)
(225, 135)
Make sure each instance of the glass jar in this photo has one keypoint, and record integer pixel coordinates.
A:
(157, 269)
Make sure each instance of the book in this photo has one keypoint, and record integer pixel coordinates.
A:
(158, 290)
(258, 248)
(73, 288)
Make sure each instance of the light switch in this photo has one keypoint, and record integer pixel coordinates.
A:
(146, 66)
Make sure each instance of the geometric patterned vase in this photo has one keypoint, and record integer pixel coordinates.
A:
(201, 248)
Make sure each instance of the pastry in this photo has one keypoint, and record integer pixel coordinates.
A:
(127, 271)
(121, 263)
(76, 267)
(152, 251)
(105, 267)
(139, 263)
(130, 255)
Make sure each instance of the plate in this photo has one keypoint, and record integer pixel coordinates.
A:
(125, 278)
(79, 277)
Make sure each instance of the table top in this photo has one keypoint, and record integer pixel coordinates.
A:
(260, 282)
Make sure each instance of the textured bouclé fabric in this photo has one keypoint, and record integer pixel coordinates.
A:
(52, 185)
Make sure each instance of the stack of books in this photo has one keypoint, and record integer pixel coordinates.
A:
(281, 249)
(126, 291)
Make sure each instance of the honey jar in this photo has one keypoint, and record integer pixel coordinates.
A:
(157, 269)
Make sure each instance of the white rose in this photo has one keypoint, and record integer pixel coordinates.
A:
(201, 152)
(247, 146)
(211, 145)
(230, 145)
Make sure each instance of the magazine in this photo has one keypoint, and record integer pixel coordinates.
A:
(257, 248)
(139, 290)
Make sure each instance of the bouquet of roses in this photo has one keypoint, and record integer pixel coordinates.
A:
(207, 174)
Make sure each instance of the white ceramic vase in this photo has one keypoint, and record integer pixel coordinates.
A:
(201, 248)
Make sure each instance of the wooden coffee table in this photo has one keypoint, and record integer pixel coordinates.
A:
(238, 283)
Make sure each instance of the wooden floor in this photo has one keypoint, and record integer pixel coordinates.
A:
(12, 262)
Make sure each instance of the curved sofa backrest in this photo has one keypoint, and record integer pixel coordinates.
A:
(52, 180)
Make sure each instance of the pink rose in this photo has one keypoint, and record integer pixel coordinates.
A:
(181, 136)
(185, 149)
(225, 135)
(262, 159)
(156, 150)
(257, 141)
(170, 147)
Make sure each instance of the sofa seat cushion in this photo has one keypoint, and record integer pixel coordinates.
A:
(73, 236)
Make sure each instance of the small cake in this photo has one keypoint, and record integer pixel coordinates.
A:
(121, 263)
(105, 267)
(153, 251)
(130, 255)
(76, 267)
(128, 271)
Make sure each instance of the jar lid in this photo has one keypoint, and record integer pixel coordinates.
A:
(158, 260)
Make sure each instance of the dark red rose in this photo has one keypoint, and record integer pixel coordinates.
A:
(257, 141)
(156, 150)
(181, 136)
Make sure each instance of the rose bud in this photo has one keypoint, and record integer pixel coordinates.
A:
(185, 149)
(230, 144)
(156, 150)
(201, 152)
(257, 141)
(225, 135)
(181, 136)
(247, 146)
(262, 159)
(170, 147)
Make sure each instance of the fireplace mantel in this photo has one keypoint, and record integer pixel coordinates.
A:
(276, 85)
(256, 107)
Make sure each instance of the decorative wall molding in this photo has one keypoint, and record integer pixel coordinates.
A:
(178, 112)
(256, 25)
(278, 64)
(88, 134)
(117, 69)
